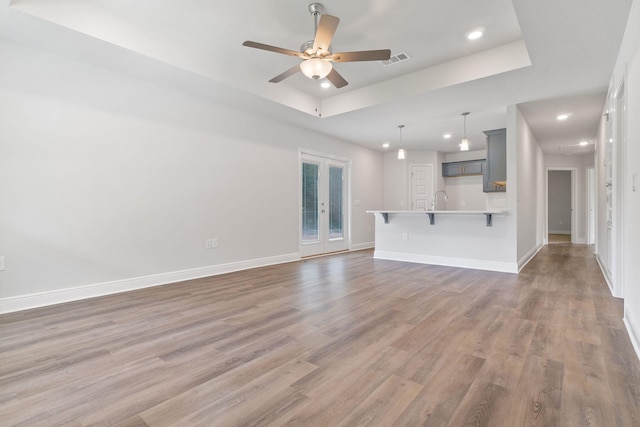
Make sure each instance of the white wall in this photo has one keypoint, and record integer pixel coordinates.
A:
(527, 182)
(108, 179)
(465, 193)
(602, 242)
(628, 68)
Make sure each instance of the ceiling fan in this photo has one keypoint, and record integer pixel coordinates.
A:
(316, 54)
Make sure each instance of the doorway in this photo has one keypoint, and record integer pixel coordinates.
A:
(324, 210)
(560, 206)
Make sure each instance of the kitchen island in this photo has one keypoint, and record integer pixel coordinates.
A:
(468, 239)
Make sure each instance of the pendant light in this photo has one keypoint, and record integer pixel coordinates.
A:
(401, 152)
(464, 144)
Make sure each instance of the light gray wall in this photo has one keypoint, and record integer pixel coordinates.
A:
(559, 202)
(108, 178)
(523, 180)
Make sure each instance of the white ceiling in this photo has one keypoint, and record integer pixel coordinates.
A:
(548, 56)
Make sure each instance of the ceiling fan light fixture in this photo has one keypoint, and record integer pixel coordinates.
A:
(316, 68)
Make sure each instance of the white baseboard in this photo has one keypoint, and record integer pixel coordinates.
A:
(504, 267)
(604, 273)
(24, 302)
(633, 330)
(528, 257)
(362, 246)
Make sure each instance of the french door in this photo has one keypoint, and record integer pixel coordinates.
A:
(324, 210)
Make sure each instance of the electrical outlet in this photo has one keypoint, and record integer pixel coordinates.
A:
(2, 263)
(405, 236)
(208, 244)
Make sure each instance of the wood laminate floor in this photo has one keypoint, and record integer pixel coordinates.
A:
(343, 340)
(559, 238)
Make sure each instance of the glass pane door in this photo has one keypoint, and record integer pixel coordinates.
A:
(323, 205)
(336, 175)
(310, 200)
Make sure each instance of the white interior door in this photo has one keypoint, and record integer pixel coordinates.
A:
(324, 210)
(421, 187)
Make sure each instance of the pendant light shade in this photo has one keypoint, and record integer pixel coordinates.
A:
(401, 152)
(464, 144)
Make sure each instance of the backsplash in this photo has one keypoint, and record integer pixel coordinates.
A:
(496, 201)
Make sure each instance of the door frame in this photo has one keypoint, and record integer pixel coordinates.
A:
(574, 203)
(410, 182)
(346, 199)
(618, 161)
(592, 207)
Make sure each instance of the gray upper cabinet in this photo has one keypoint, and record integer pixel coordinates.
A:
(468, 167)
(495, 174)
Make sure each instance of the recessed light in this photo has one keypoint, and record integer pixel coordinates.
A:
(562, 117)
(385, 145)
(446, 136)
(583, 143)
(475, 34)
(325, 85)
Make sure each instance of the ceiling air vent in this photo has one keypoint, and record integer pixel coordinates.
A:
(395, 59)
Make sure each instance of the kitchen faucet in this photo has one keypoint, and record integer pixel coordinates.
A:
(435, 198)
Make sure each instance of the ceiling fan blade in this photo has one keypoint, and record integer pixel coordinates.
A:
(290, 72)
(324, 34)
(270, 48)
(362, 55)
(337, 80)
